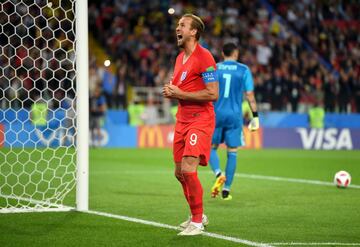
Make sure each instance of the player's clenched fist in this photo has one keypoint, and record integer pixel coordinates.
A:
(166, 91)
(171, 91)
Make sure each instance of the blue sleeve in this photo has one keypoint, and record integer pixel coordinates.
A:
(248, 81)
(209, 76)
(207, 67)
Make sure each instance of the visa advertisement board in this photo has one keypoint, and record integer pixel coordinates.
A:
(303, 138)
(293, 138)
(123, 136)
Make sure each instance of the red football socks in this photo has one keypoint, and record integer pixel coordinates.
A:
(184, 186)
(195, 195)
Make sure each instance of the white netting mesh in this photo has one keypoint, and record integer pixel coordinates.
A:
(37, 104)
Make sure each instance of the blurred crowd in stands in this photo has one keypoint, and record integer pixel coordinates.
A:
(301, 53)
(37, 58)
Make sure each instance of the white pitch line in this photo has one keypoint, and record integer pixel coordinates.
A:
(161, 225)
(156, 224)
(316, 244)
(243, 175)
(293, 180)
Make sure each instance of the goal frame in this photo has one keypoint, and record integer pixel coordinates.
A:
(82, 120)
(82, 101)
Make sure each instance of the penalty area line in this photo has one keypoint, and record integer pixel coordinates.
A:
(161, 225)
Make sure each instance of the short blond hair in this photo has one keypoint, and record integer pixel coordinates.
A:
(197, 24)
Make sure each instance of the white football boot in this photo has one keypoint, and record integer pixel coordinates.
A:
(185, 224)
(192, 230)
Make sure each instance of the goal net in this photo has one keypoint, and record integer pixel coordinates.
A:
(39, 121)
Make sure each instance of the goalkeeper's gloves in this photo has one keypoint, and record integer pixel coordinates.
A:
(254, 123)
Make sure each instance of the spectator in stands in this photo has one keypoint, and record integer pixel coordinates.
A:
(94, 79)
(300, 38)
(278, 91)
(329, 88)
(120, 88)
(67, 104)
(344, 91)
(316, 116)
(15, 92)
(263, 54)
(135, 110)
(109, 81)
(145, 73)
(39, 113)
(97, 114)
(294, 91)
(150, 115)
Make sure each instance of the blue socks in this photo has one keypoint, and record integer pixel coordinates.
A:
(230, 169)
(230, 166)
(215, 162)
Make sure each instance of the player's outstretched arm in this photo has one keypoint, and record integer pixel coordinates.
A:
(210, 93)
(254, 123)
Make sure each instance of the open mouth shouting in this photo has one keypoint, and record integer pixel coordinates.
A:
(179, 38)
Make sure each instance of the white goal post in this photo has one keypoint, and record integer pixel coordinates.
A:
(82, 188)
(44, 106)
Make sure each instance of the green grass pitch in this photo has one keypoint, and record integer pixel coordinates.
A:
(139, 183)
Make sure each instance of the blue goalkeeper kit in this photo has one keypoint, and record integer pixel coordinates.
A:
(234, 79)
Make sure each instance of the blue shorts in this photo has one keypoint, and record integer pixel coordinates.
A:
(232, 137)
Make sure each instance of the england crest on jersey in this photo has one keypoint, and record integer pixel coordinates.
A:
(183, 76)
